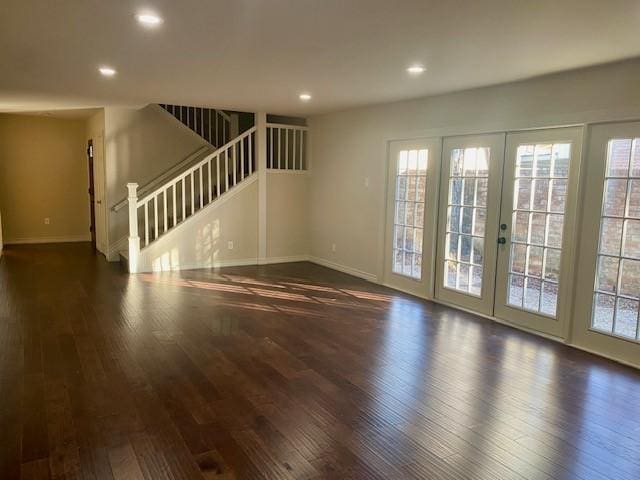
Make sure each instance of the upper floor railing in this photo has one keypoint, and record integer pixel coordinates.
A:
(287, 147)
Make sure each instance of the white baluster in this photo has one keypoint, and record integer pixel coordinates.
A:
(242, 159)
(184, 199)
(250, 152)
(193, 195)
(226, 170)
(155, 216)
(234, 155)
(201, 190)
(218, 175)
(164, 208)
(134, 239)
(209, 177)
(146, 223)
(175, 213)
(279, 146)
(286, 148)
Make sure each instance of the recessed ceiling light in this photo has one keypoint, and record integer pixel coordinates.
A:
(416, 69)
(148, 19)
(107, 71)
(305, 97)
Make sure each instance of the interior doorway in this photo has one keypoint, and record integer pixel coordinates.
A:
(92, 195)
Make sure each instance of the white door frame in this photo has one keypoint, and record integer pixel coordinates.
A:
(557, 326)
(482, 304)
(582, 334)
(99, 183)
(424, 287)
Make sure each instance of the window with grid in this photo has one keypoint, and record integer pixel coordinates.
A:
(408, 222)
(617, 283)
(539, 200)
(466, 217)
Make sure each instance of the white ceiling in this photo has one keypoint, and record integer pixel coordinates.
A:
(260, 54)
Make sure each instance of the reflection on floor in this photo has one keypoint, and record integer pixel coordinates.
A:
(286, 371)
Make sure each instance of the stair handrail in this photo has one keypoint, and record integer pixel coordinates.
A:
(196, 167)
(167, 173)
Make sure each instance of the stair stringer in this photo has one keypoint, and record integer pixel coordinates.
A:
(201, 240)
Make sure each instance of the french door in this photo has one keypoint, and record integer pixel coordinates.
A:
(608, 280)
(468, 220)
(412, 188)
(506, 218)
(536, 232)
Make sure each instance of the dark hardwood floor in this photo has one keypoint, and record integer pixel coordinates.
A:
(286, 371)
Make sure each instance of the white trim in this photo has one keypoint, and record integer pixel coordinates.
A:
(287, 259)
(58, 239)
(369, 277)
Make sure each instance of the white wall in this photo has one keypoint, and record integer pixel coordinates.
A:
(202, 240)
(287, 216)
(140, 144)
(349, 146)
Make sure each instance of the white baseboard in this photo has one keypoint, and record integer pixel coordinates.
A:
(287, 259)
(344, 269)
(59, 239)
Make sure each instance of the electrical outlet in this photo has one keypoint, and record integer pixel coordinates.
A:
(230, 245)
(333, 247)
(47, 221)
(366, 182)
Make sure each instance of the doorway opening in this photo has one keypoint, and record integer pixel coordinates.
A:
(92, 208)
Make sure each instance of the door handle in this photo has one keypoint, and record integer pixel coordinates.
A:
(99, 202)
(502, 240)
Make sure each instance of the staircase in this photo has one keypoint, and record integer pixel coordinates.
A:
(188, 189)
(186, 194)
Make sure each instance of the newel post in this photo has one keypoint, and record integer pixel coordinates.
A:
(134, 239)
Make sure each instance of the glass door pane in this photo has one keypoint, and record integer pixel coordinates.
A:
(540, 197)
(408, 221)
(535, 202)
(616, 297)
(466, 219)
(607, 294)
(411, 215)
(469, 204)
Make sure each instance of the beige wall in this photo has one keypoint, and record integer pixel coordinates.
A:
(351, 146)
(287, 215)
(43, 173)
(203, 240)
(140, 144)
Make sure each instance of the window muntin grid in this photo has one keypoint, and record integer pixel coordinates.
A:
(539, 200)
(466, 218)
(408, 219)
(616, 295)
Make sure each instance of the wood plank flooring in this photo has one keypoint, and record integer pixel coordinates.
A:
(286, 372)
